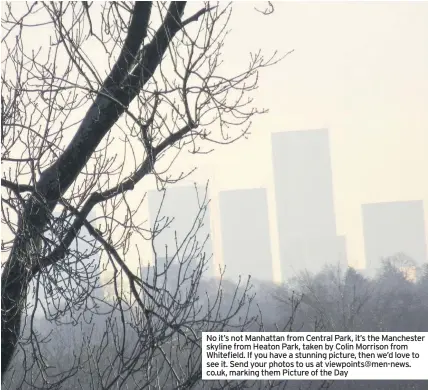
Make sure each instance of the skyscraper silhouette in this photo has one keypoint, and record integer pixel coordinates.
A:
(245, 234)
(391, 228)
(304, 202)
(189, 227)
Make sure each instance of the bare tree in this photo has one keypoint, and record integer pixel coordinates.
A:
(97, 97)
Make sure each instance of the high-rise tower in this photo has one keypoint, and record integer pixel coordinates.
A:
(189, 226)
(304, 202)
(245, 234)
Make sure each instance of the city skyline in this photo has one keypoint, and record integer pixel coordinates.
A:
(308, 240)
(371, 100)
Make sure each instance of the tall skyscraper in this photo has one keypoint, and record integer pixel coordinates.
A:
(189, 227)
(245, 234)
(304, 202)
(391, 228)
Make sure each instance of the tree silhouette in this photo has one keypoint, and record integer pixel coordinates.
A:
(95, 97)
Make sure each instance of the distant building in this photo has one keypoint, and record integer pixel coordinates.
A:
(160, 272)
(189, 227)
(304, 202)
(392, 228)
(170, 273)
(313, 254)
(245, 234)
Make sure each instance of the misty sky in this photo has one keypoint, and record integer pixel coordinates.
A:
(358, 69)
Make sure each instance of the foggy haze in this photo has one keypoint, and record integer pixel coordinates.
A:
(166, 218)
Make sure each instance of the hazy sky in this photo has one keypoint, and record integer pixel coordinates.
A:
(358, 69)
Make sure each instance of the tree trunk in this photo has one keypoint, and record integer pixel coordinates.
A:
(17, 274)
(108, 106)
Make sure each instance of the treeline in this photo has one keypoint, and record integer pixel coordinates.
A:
(394, 300)
(85, 343)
